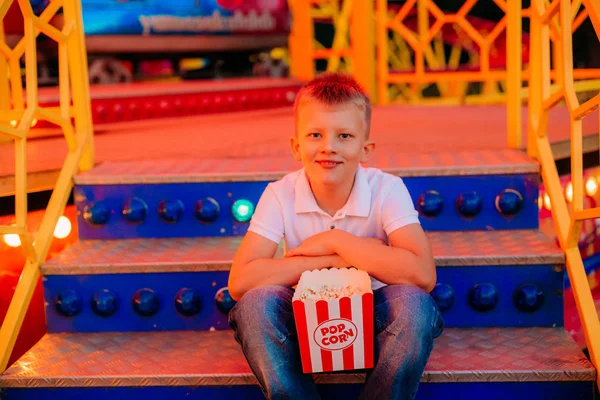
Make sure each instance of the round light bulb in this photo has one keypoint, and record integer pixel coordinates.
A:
(547, 203)
(591, 186)
(12, 240)
(242, 210)
(569, 192)
(63, 228)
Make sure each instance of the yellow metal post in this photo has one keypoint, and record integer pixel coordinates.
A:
(79, 80)
(362, 37)
(382, 52)
(4, 88)
(301, 41)
(539, 80)
(513, 81)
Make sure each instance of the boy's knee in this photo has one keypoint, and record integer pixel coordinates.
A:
(410, 308)
(260, 303)
(406, 296)
(266, 296)
(263, 312)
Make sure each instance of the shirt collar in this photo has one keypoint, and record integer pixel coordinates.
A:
(358, 204)
(305, 199)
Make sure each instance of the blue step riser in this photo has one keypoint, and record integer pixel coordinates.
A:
(450, 391)
(105, 205)
(509, 283)
(73, 290)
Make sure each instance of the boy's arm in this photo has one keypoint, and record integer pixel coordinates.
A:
(408, 259)
(254, 266)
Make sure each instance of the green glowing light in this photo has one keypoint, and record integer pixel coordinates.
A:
(242, 210)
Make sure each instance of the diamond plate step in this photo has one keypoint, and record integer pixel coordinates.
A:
(215, 359)
(411, 164)
(466, 261)
(469, 248)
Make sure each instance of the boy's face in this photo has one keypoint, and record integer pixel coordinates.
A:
(331, 141)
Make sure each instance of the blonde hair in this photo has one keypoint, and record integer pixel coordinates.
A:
(332, 89)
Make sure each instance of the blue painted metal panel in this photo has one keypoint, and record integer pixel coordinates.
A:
(506, 279)
(487, 187)
(206, 284)
(166, 286)
(105, 205)
(114, 197)
(446, 391)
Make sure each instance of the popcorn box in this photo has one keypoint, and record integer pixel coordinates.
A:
(335, 334)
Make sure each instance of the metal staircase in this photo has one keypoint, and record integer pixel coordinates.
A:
(139, 305)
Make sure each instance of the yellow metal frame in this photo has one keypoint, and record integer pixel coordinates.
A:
(430, 66)
(452, 83)
(74, 105)
(353, 46)
(396, 45)
(559, 17)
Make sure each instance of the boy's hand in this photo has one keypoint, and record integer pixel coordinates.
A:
(320, 244)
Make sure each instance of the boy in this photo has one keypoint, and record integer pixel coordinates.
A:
(335, 213)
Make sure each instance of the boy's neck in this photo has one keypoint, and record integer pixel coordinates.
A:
(331, 198)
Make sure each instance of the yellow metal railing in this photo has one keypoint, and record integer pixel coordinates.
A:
(353, 49)
(412, 55)
(427, 67)
(17, 113)
(430, 65)
(556, 20)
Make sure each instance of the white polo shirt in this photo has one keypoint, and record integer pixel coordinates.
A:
(378, 205)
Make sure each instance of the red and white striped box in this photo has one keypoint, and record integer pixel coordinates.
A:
(335, 334)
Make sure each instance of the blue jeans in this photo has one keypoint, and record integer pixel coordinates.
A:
(407, 320)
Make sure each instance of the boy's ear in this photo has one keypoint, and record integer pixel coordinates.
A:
(295, 146)
(368, 149)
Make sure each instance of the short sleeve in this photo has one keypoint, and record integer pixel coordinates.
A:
(398, 209)
(267, 220)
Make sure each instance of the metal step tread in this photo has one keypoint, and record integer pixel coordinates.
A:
(409, 164)
(192, 358)
(465, 248)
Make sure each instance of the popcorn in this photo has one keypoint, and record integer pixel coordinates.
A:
(332, 283)
(333, 311)
(326, 292)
